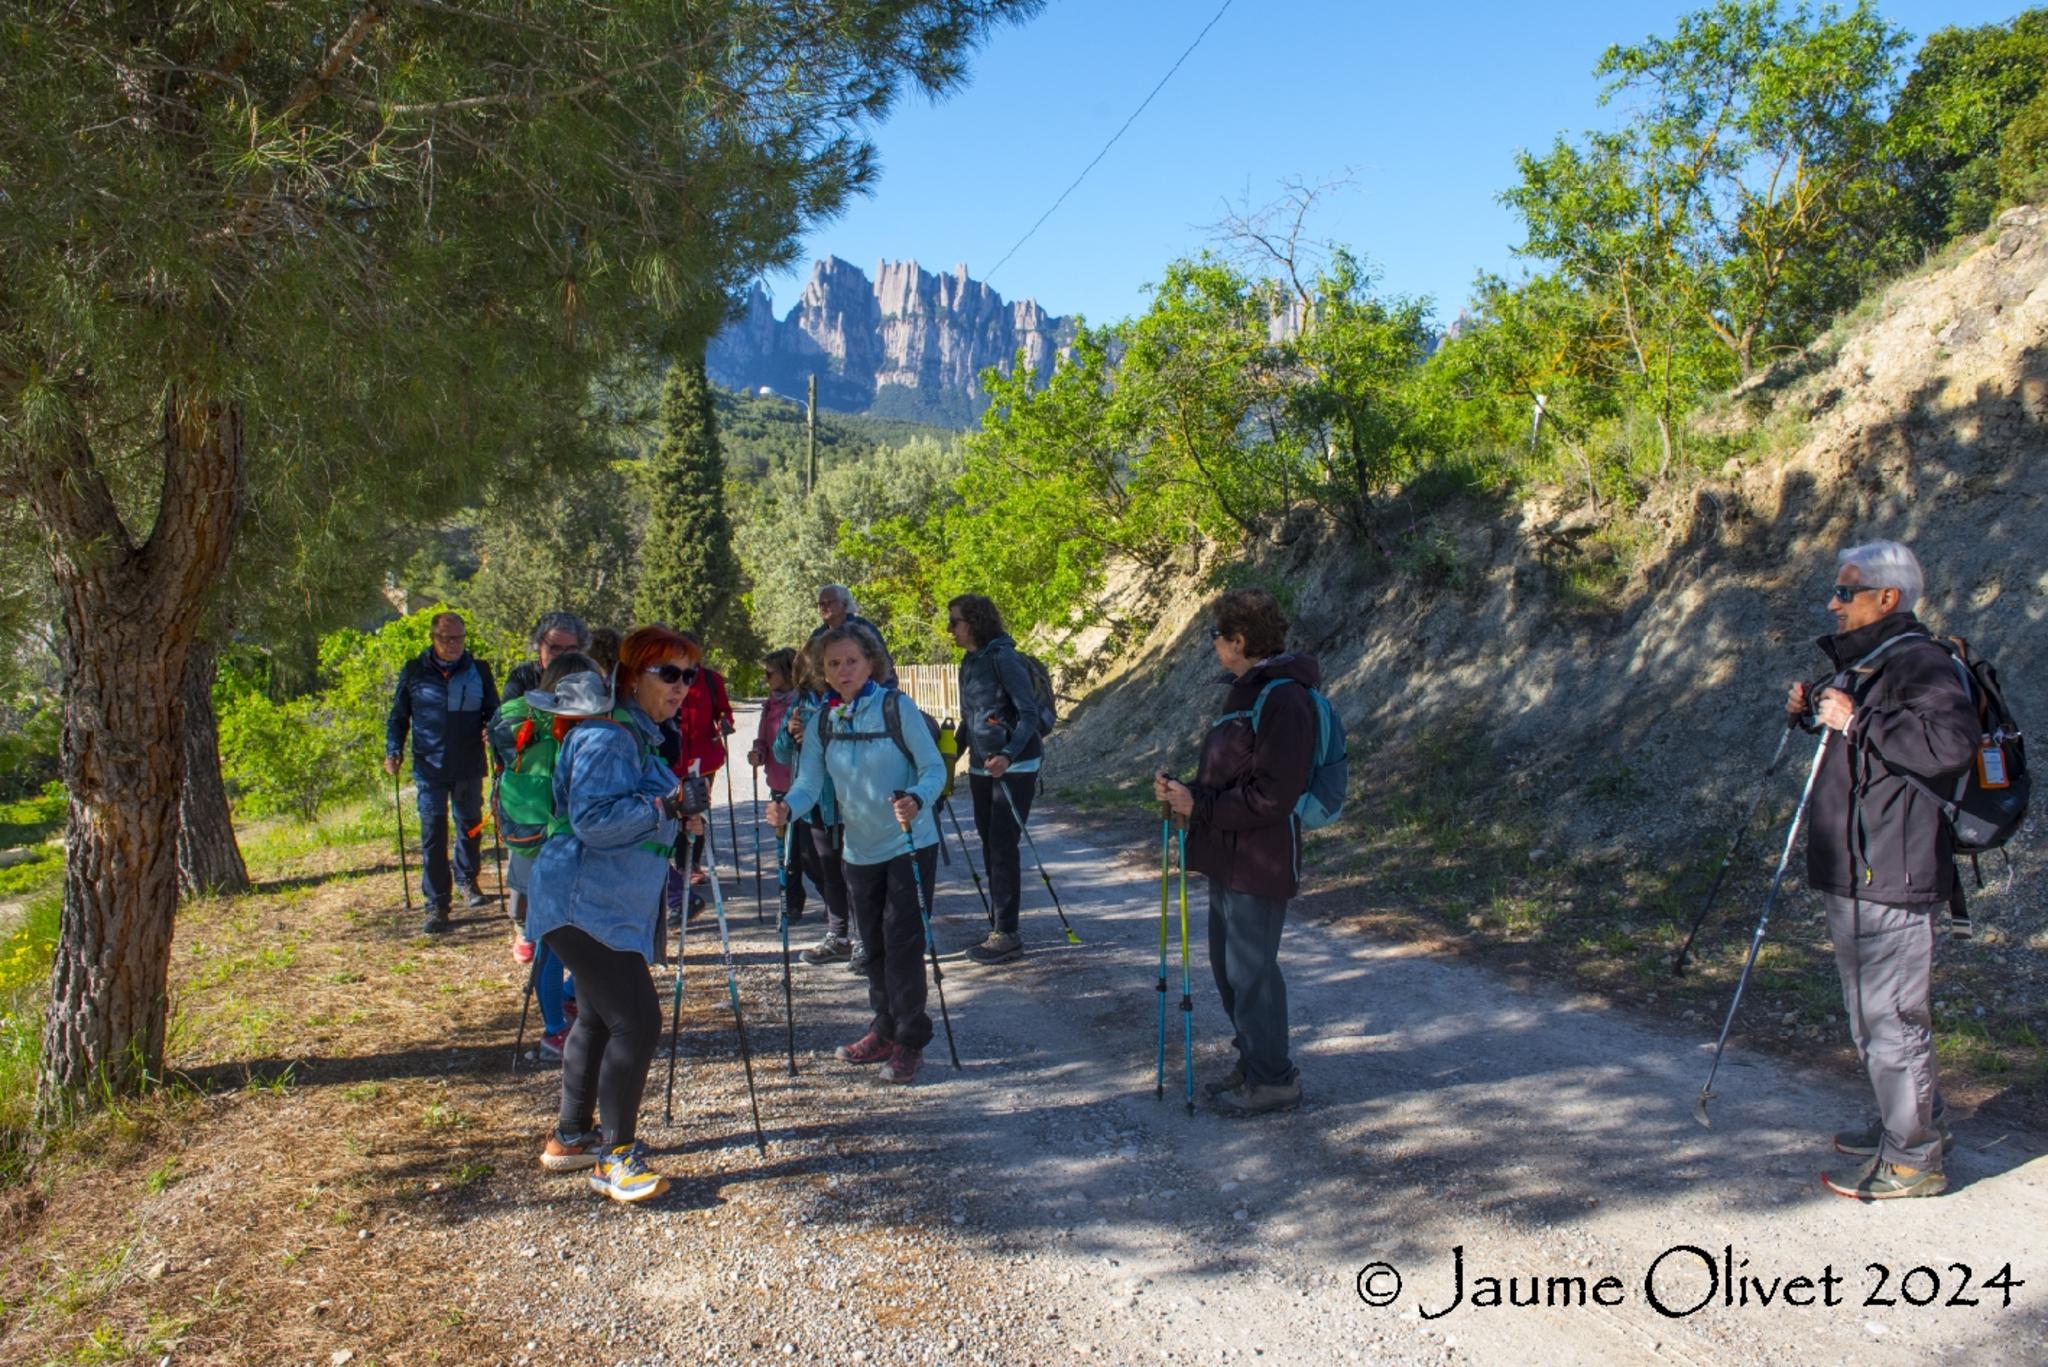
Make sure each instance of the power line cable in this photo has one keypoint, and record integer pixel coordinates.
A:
(1111, 143)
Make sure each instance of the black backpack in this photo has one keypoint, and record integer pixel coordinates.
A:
(1041, 691)
(1989, 802)
(892, 729)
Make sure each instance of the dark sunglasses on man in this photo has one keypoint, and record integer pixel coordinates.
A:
(672, 673)
(1846, 593)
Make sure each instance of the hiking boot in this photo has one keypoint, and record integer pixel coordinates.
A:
(437, 922)
(551, 1046)
(869, 1048)
(573, 1154)
(857, 962)
(1229, 1082)
(1868, 1141)
(1259, 1098)
(901, 1066)
(1001, 946)
(1878, 1180)
(622, 1174)
(474, 896)
(830, 949)
(522, 949)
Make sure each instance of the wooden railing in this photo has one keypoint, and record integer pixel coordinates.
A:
(934, 688)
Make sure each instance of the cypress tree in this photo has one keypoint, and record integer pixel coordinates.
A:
(689, 575)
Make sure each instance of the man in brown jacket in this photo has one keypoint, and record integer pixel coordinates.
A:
(1880, 853)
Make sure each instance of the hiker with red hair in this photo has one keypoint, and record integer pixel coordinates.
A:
(595, 896)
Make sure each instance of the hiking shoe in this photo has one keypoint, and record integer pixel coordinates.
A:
(474, 896)
(522, 949)
(828, 950)
(622, 1174)
(857, 962)
(1878, 1180)
(437, 922)
(901, 1066)
(869, 1048)
(1229, 1082)
(1259, 1098)
(1868, 1141)
(551, 1046)
(573, 1154)
(1001, 946)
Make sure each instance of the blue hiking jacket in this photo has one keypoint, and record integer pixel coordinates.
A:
(447, 708)
(998, 710)
(808, 707)
(605, 863)
(866, 769)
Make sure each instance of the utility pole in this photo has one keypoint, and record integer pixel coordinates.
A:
(811, 434)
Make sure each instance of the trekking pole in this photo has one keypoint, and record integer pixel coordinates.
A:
(1734, 847)
(1025, 831)
(1187, 991)
(1699, 1110)
(968, 855)
(1165, 857)
(754, 813)
(404, 869)
(782, 892)
(924, 912)
(732, 823)
(675, 1011)
(498, 860)
(732, 986)
(526, 1004)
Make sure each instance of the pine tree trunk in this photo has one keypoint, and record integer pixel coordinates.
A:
(129, 612)
(208, 858)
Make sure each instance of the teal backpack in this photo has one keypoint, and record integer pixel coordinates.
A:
(1329, 772)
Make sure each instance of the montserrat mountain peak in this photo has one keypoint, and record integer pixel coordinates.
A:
(909, 343)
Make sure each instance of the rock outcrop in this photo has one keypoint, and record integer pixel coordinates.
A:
(927, 337)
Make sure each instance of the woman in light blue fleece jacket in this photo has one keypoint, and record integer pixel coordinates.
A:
(873, 746)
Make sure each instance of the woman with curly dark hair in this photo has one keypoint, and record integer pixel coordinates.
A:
(999, 716)
(1243, 834)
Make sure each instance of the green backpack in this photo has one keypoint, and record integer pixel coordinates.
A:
(526, 748)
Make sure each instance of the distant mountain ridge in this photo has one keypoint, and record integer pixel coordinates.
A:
(908, 344)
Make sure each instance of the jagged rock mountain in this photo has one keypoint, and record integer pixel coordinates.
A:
(907, 344)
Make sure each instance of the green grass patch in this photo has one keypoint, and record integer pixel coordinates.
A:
(25, 957)
(32, 819)
(42, 871)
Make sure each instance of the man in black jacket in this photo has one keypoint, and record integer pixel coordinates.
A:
(445, 698)
(1879, 851)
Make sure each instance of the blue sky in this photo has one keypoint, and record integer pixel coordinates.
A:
(1423, 105)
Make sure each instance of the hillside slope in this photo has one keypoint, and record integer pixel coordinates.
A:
(1924, 422)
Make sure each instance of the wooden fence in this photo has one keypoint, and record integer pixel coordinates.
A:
(934, 688)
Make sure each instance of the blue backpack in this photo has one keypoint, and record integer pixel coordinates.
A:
(1329, 772)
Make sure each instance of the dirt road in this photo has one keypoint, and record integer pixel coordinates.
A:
(1041, 1205)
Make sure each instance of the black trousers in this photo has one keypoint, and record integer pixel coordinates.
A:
(611, 1046)
(999, 834)
(884, 900)
(817, 854)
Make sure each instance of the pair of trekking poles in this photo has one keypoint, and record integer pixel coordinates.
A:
(1756, 939)
(1173, 853)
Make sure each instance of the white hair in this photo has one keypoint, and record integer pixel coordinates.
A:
(1886, 565)
(838, 593)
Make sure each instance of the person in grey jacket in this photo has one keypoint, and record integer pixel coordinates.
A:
(1879, 851)
(999, 716)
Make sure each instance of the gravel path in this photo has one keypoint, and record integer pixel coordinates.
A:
(1042, 1205)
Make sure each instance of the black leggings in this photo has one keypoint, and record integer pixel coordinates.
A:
(611, 1046)
(999, 831)
(817, 854)
(887, 917)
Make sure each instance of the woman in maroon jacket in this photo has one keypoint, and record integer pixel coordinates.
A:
(1243, 835)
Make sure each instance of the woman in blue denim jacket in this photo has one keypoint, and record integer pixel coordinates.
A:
(882, 790)
(817, 836)
(594, 894)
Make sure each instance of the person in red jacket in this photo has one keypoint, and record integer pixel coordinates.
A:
(1243, 835)
(697, 734)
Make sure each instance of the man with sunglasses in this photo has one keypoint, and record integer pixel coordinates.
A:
(445, 698)
(1880, 854)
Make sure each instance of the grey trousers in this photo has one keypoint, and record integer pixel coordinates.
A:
(1244, 954)
(1886, 958)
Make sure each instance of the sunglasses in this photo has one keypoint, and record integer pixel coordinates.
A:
(671, 673)
(1846, 593)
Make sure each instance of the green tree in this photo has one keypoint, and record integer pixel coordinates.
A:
(689, 576)
(570, 542)
(1949, 127)
(253, 254)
